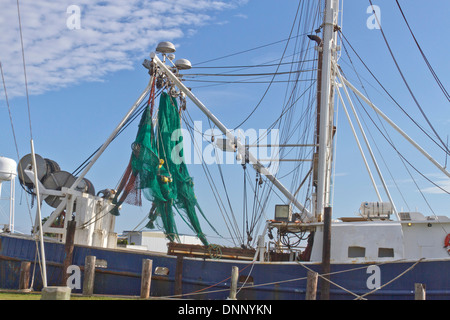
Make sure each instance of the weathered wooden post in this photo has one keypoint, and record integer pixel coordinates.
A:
(89, 275)
(420, 293)
(68, 250)
(311, 285)
(326, 254)
(146, 278)
(24, 278)
(233, 285)
(179, 276)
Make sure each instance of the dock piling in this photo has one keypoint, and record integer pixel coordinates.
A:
(24, 279)
(68, 250)
(420, 293)
(89, 275)
(146, 278)
(233, 285)
(311, 285)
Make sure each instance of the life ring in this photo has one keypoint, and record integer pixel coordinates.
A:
(447, 243)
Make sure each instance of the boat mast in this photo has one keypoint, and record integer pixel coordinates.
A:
(325, 129)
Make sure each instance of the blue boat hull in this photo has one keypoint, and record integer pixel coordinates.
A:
(210, 279)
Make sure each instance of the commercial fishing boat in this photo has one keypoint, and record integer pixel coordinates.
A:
(380, 254)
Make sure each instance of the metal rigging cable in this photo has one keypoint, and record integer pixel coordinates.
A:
(387, 92)
(273, 78)
(292, 96)
(382, 125)
(388, 139)
(441, 86)
(407, 85)
(386, 134)
(239, 68)
(246, 82)
(245, 74)
(403, 157)
(24, 69)
(229, 218)
(132, 117)
(247, 50)
(249, 66)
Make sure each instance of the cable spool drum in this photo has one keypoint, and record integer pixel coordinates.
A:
(52, 166)
(55, 181)
(59, 179)
(86, 186)
(41, 168)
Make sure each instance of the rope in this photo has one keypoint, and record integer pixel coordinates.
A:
(201, 291)
(326, 279)
(357, 297)
(361, 297)
(389, 282)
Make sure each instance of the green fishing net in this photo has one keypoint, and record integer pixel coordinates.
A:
(157, 168)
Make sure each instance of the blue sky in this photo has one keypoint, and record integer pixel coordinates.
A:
(83, 81)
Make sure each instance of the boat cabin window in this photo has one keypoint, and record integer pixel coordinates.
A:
(356, 252)
(385, 252)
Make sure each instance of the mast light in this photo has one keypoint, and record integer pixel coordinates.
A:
(165, 47)
(183, 64)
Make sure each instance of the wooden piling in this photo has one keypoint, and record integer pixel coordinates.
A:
(420, 292)
(68, 250)
(146, 278)
(179, 276)
(89, 275)
(326, 254)
(24, 278)
(311, 285)
(233, 285)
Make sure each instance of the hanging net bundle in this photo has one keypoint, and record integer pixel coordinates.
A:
(157, 169)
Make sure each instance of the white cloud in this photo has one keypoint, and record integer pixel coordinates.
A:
(113, 35)
(444, 184)
(241, 15)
